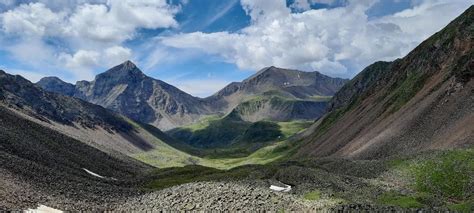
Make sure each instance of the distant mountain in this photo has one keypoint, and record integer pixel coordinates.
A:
(126, 90)
(272, 81)
(57, 85)
(420, 102)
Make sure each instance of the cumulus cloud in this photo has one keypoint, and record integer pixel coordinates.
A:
(116, 54)
(32, 19)
(117, 20)
(79, 35)
(82, 62)
(338, 41)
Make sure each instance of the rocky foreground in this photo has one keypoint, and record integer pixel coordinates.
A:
(209, 196)
(229, 196)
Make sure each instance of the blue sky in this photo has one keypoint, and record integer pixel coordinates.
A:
(202, 45)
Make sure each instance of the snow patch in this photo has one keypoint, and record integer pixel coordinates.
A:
(287, 188)
(97, 175)
(93, 174)
(43, 209)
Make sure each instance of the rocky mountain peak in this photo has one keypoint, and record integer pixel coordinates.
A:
(125, 71)
(55, 84)
(128, 65)
(50, 79)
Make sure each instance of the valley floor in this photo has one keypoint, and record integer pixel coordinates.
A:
(414, 182)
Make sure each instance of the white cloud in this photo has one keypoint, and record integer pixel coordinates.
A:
(82, 58)
(30, 75)
(301, 5)
(339, 41)
(116, 55)
(82, 62)
(32, 19)
(32, 50)
(260, 10)
(117, 21)
(86, 34)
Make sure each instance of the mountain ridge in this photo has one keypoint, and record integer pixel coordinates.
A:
(420, 102)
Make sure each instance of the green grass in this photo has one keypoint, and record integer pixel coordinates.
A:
(451, 175)
(202, 123)
(319, 98)
(163, 155)
(261, 131)
(466, 207)
(314, 195)
(211, 133)
(262, 156)
(230, 137)
(396, 199)
(439, 178)
(290, 128)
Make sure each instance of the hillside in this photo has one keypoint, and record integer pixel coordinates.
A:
(39, 164)
(91, 124)
(420, 102)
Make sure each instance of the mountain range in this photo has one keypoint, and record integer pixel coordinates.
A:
(282, 94)
(398, 136)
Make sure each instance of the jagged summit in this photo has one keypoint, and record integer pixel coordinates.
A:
(126, 71)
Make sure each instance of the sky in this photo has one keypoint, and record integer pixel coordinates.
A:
(202, 45)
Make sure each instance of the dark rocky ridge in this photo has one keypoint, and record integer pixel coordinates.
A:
(20, 94)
